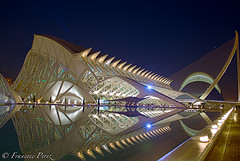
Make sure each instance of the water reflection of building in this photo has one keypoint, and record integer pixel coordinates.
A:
(54, 130)
(58, 131)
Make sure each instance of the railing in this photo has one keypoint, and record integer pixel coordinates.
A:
(198, 146)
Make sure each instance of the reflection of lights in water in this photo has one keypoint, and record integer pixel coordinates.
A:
(235, 117)
(80, 154)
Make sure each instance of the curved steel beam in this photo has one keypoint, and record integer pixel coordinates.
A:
(210, 88)
(199, 77)
(238, 72)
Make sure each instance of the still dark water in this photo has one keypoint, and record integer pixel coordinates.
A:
(9, 141)
(149, 150)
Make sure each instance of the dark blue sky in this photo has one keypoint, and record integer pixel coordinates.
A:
(157, 35)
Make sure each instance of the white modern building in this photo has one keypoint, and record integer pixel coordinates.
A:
(59, 72)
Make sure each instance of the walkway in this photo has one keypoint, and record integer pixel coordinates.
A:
(227, 146)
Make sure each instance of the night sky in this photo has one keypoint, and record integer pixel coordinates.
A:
(157, 35)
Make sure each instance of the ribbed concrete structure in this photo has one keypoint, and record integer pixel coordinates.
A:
(59, 72)
(112, 102)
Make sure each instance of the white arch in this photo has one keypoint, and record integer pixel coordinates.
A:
(199, 77)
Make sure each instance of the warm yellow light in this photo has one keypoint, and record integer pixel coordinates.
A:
(149, 134)
(134, 139)
(146, 136)
(155, 132)
(141, 136)
(152, 133)
(140, 71)
(115, 63)
(159, 78)
(135, 70)
(142, 74)
(121, 65)
(146, 75)
(130, 69)
(85, 52)
(109, 61)
(126, 67)
(80, 154)
(138, 138)
(156, 78)
(150, 75)
(111, 144)
(102, 58)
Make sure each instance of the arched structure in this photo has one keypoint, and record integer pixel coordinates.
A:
(210, 69)
(199, 77)
(223, 70)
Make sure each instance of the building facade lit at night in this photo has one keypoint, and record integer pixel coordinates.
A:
(89, 102)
